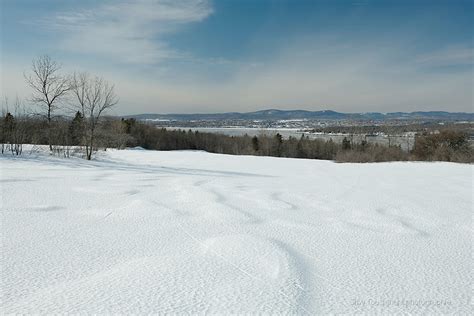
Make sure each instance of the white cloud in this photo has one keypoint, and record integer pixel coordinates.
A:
(127, 31)
(298, 77)
(310, 72)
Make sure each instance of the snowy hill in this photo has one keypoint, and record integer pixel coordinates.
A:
(191, 232)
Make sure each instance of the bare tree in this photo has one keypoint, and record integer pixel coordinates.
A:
(49, 88)
(94, 97)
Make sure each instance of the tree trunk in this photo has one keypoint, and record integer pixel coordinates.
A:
(49, 129)
(91, 146)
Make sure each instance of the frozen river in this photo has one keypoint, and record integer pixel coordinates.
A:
(405, 141)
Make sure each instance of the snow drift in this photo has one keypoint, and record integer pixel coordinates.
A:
(190, 232)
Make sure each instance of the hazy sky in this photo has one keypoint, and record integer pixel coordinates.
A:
(181, 56)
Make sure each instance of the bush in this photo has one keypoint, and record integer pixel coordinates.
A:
(447, 145)
(372, 153)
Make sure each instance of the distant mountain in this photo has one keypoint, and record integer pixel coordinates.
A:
(274, 114)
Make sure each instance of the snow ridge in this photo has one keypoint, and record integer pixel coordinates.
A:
(190, 232)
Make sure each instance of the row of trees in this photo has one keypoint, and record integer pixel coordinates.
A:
(54, 96)
(12, 129)
(447, 145)
(65, 134)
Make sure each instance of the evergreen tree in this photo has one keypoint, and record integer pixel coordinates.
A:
(76, 129)
(8, 131)
(277, 144)
(255, 144)
(128, 124)
(363, 145)
(300, 150)
(346, 144)
(8, 127)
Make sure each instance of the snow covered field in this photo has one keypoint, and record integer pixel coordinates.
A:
(191, 232)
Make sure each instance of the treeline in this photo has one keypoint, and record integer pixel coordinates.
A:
(447, 145)
(66, 135)
(399, 128)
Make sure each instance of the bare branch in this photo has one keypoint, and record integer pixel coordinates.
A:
(94, 96)
(49, 86)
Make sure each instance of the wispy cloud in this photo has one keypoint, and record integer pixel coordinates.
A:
(302, 77)
(129, 45)
(127, 31)
(450, 56)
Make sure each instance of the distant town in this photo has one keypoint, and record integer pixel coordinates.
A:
(398, 128)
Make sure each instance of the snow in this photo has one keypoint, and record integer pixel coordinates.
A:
(141, 231)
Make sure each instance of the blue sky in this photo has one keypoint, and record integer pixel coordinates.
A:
(240, 55)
